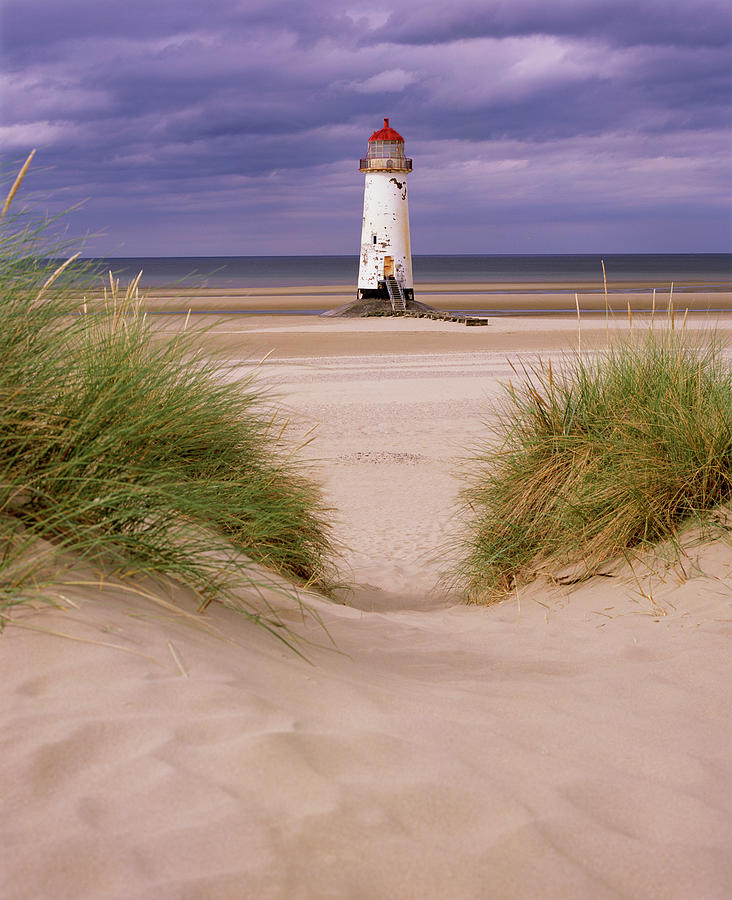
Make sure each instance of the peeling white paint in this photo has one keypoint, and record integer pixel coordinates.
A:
(385, 215)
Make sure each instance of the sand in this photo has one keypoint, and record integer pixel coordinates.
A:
(499, 297)
(570, 743)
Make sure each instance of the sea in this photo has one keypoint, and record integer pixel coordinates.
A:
(688, 271)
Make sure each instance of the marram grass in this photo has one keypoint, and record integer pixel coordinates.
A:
(136, 454)
(611, 452)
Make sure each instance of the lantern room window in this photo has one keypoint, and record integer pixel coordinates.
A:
(385, 149)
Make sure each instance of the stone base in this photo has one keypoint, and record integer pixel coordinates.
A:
(377, 306)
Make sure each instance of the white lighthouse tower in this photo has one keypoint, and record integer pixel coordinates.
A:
(385, 268)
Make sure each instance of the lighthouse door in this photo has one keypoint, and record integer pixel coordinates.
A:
(388, 266)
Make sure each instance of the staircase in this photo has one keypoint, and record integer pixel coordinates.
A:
(395, 294)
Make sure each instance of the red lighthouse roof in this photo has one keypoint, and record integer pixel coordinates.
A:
(386, 134)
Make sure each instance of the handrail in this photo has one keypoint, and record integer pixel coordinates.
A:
(385, 165)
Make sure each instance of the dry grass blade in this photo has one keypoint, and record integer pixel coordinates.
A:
(177, 659)
(607, 308)
(16, 184)
(79, 640)
(55, 274)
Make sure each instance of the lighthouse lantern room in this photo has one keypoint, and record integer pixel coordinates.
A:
(385, 267)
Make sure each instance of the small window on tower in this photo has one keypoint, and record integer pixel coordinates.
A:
(373, 238)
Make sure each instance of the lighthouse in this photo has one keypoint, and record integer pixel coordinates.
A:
(385, 267)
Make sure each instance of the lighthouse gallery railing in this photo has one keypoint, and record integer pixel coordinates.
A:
(403, 164)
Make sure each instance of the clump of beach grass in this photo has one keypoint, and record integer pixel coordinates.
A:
(597, 457)
(135, 454)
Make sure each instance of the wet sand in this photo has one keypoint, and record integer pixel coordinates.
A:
(497, 296)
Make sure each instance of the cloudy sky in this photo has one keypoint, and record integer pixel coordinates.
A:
(234, 127)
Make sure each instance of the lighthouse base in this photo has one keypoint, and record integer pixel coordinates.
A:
(381, 293)
(377, 306)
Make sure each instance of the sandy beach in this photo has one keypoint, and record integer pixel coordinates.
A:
(549, 298)
(572, 742)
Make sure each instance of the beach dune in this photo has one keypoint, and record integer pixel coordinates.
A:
(571, 742)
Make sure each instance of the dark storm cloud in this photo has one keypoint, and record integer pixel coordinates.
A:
(250, 115)
(33, 25)
(622, 22)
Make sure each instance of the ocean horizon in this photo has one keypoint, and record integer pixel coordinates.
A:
(239, 272)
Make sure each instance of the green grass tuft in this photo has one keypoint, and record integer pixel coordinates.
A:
(613, 452)
(136, 454)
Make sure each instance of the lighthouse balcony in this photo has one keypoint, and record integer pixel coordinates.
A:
(377, 164)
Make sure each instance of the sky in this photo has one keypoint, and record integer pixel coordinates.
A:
(234, 127)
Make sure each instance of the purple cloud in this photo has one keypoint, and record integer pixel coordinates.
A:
(236, 127)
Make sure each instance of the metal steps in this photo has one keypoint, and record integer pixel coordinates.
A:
(396, 295)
